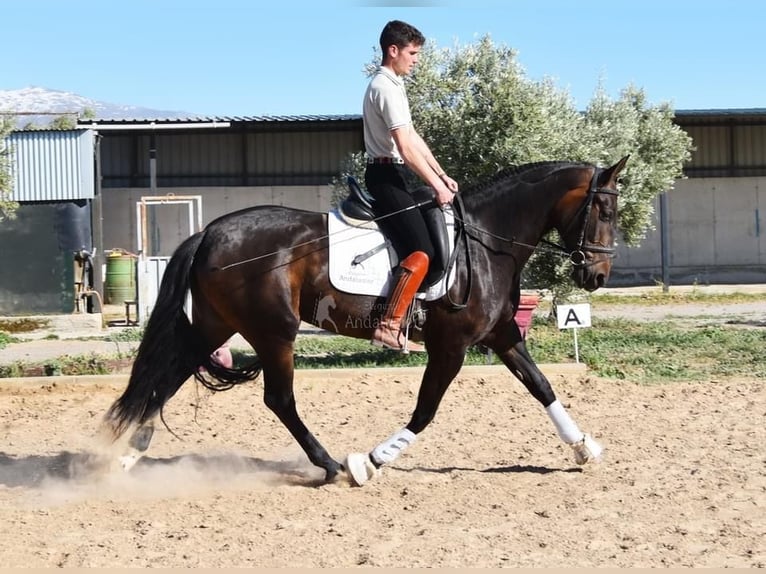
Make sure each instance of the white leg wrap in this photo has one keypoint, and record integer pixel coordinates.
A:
(389, 450)
(565, 426)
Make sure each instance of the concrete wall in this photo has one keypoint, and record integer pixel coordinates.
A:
(717, 227)
(716, 232)
(168, 224)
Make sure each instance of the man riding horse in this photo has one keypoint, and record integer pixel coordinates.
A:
(395, 154)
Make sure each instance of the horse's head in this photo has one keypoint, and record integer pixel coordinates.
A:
(588, 225)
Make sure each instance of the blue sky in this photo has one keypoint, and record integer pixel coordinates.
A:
(227, 57)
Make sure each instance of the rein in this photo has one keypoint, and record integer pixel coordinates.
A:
(576, 256)
(321, 237)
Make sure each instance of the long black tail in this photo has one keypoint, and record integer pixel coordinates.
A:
(170, 350)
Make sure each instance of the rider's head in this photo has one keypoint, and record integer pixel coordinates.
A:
(398, 35)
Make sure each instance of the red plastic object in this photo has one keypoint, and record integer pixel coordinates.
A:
(523, 317)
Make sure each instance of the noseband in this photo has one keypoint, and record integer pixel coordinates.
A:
(577, 257)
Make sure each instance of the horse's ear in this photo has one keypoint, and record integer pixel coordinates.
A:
(610, 174)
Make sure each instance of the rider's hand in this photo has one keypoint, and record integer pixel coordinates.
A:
(450, 183)
(443, 194)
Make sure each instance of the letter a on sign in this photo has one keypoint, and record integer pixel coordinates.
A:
(573, 316)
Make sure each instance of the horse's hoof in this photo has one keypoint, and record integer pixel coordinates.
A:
(331, 472)
(587, 450)
(128, 461)
(360, 468)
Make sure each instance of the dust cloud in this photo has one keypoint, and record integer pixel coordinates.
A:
(68, 478)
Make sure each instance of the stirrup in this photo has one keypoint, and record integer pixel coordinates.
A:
(403, 348)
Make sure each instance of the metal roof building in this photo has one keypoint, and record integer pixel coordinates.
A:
(225, 151)
(82, 187)
(728, 143)
(52, 165)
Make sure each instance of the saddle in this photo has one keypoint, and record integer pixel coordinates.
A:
(357, 208)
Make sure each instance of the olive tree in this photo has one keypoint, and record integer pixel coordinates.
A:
(7, 205)
(480, 113)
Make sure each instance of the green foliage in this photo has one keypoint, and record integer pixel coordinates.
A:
(5, 339)
(78, 365)
(8, 207)
(15, 369)
(23, 324)
(64, 122)
(655, 351)
(642, 352)
(130, 334)
(601, 299)
(658, 149)
(352, 165)
(479, 113)
(317, 352)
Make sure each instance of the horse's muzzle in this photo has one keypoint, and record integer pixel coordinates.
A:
(592, 275)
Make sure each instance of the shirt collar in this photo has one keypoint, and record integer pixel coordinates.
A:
(391, 76)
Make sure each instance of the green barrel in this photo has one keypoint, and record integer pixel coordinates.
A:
(120, 279)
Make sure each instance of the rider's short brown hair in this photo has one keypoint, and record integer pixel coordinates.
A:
(400, 34)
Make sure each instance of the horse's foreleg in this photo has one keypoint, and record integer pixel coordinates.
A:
(437, 377)
(519, 362)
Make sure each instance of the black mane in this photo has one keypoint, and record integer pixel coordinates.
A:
(529, 173)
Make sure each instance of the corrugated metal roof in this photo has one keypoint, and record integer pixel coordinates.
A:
(690, 115)
(724, 117)
(222, 119)
(744, 112)
(52, 165)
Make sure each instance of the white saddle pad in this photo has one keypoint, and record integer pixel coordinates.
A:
(373, 275)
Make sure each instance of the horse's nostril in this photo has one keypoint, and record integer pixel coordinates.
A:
(600, 280)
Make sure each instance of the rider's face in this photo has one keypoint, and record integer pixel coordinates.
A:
(402, 60)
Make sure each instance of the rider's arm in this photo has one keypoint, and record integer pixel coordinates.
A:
(410, 144)
(430, 159)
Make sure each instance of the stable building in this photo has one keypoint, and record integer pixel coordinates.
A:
(134, 189)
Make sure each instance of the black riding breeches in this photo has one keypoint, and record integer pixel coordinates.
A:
(387, 184)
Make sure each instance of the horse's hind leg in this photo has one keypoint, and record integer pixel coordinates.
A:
(138, 444)
(517, 359)
(128, 453)
(278, 371)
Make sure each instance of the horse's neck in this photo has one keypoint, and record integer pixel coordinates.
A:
(523, 213)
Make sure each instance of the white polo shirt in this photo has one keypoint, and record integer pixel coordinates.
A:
(385, 108)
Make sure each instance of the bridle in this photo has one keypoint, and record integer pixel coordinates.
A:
(577, 257)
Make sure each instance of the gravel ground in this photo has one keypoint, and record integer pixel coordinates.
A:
(682, 482)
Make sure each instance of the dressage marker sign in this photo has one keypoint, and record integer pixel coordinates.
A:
(573, 317)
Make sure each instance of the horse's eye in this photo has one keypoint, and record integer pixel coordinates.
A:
(606, 215)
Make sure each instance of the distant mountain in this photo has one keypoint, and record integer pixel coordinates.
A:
(39, 106)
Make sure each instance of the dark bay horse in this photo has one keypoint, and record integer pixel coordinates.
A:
(261, 271)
